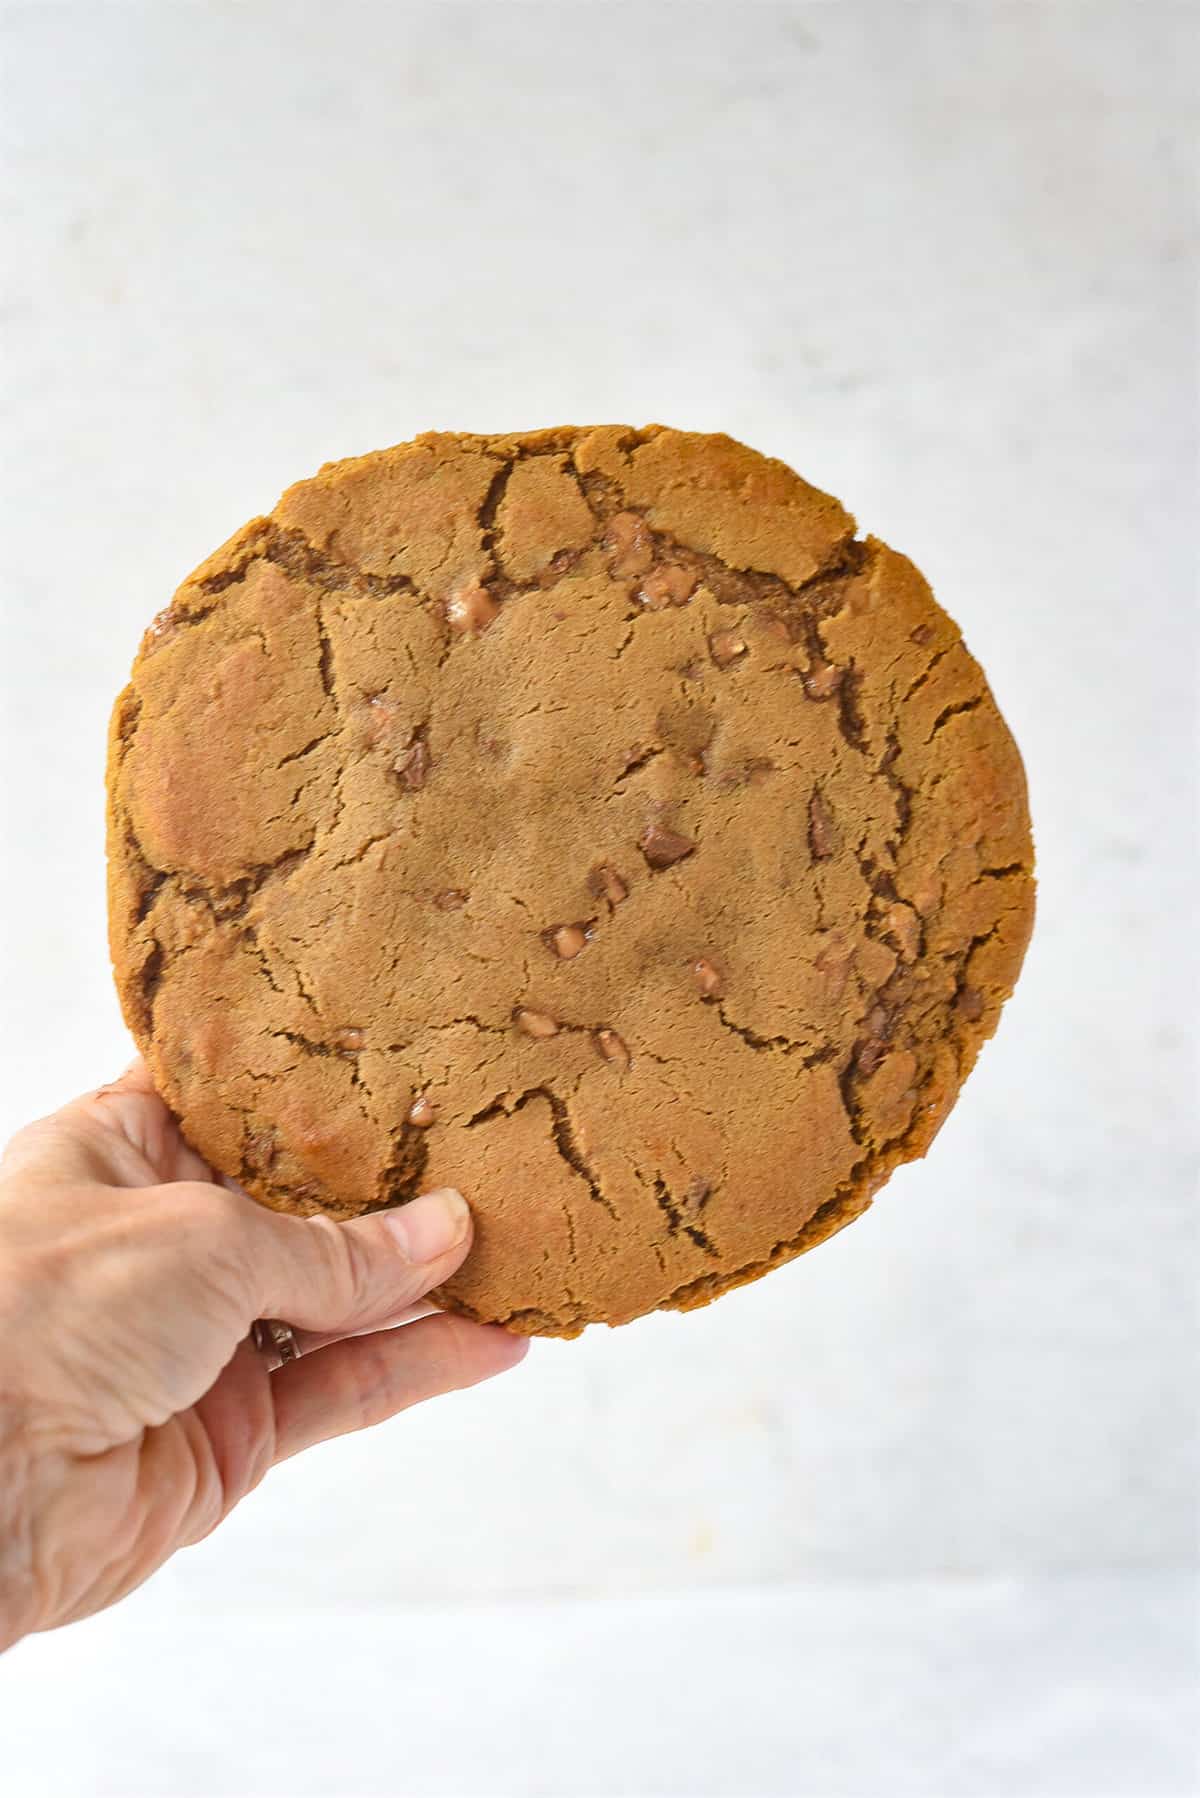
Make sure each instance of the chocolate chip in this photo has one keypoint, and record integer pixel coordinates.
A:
(822, 680)
(568, 940)
(875, 961)
(662, 847)
(414, 765)
(669, 584)
(612, 1048)
(470, 608)
(261, 1151)
(902, 922)
(707, 977)
(628, 545)
(560, 563)
(834, 963)
(969, 1004)
(380, 719)
(423, 1112)
(536, 1023)
(726, 647)
(605, 883)
(821, 842)
(348, 1041)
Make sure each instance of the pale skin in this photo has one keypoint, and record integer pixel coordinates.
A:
(135, 1412)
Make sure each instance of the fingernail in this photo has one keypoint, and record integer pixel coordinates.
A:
(431, 1225)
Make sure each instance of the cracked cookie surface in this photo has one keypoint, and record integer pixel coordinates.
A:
(585, 819)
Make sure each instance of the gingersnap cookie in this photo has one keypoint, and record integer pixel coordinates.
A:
(585, 819)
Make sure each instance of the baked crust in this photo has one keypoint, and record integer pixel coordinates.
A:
(585, 819)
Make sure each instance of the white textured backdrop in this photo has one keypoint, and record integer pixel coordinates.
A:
(941, 257)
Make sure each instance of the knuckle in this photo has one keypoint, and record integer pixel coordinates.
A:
(29, 1138)
(36, 1152)
(207, 1509)
(195, 1216)
(457, 1347)
(205, 1223)
(374, 1393)
(348, 1264)
(194, 1205)
(192, 1459)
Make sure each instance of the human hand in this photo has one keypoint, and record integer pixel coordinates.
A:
(134, 1411)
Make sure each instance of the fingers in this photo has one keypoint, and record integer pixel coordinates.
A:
(309, 1341)
(238, 1419)
(364, 1380)
(133, 1113)
(334, 1279)
(121, 1134)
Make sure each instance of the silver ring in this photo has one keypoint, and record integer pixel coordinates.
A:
(275, 1342)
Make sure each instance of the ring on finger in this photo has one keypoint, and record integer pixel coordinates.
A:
(275, 1341)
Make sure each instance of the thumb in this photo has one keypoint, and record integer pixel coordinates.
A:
(339, 1278)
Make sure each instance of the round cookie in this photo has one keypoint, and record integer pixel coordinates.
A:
(584, 819)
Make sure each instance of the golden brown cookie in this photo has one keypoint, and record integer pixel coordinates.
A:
(585, 819)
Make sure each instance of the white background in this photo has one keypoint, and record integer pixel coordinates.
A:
(916, 1514)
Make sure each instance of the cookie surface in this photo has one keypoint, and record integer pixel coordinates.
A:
(583, 819)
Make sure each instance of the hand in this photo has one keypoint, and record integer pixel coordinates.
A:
(134, 1412)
